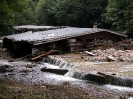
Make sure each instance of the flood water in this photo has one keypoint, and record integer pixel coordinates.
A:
(30, 72)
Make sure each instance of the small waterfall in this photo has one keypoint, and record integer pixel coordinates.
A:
(65, 65)
(78, 75)
(75, 74)
(58, 62)
(99, 78)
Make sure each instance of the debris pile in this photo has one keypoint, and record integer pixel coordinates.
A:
(126, 44)
(107, 50)
(111, 55)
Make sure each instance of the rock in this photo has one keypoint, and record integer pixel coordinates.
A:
(86, 59)
(25, 70)
(122, 97)
(110, 58)
(113, 74)
(82, 57)
(5, 68)
(130, 94)
(30, 65)
(66, 84)
(121, 59)
(11, 60)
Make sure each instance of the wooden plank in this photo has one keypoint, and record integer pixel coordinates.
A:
(43, 55)
(89, 53)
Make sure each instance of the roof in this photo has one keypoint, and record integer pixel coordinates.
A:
(55, 35)
(35, 27)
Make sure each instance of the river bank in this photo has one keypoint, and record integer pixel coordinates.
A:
(16, 90)
(27, 71)
(23, 79)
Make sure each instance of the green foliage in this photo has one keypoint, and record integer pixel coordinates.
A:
(27, 17)
(80, 13)
(115, 14)
(120, 14)
(7, 13)
(45, 12)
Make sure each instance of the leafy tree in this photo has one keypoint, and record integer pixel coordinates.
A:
(80, 13)
(45, 12)
(120, 14)
(128, 15)
(7, 13)
(27, 17)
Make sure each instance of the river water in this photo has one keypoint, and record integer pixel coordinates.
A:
(30, 72)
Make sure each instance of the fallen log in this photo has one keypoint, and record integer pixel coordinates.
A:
(56, 71)
(99, 77)
(95, 77)
(43, 55)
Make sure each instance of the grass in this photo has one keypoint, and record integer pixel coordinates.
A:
(15, 90)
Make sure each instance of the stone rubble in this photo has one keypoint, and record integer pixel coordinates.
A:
(113, 54)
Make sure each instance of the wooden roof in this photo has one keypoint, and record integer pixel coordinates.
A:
(41, 37)
(34, 27)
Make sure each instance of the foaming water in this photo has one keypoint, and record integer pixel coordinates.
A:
(49, 65)
(118, 88)
(34, 75)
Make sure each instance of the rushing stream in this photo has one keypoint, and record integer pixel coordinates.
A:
(30, 72)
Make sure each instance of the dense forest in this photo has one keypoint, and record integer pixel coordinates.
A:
(109, 14)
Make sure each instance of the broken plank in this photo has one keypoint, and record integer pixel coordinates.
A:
(89, 53)
(43, 55)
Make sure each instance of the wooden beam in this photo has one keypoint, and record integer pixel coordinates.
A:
(43, 55)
